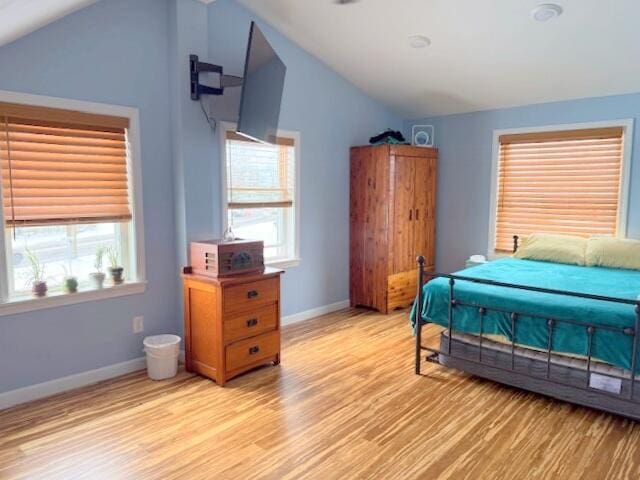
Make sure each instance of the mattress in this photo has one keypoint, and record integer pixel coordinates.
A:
(610, 346)
(577, 362)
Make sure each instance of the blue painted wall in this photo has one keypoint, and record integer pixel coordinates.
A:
(113, 52)
(464, 183)
(135, 53)
(331, 115)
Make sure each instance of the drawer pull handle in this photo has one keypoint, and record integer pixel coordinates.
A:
(254, 350)
(252, 322)
(252, 294)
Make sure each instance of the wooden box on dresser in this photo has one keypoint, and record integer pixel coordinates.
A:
(392, 221)
(231, 324)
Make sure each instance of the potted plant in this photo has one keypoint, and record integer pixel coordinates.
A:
(38, 283)
(97, 277)
(69, 282)
(115, 269)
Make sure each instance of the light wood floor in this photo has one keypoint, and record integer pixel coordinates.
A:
(344, 404)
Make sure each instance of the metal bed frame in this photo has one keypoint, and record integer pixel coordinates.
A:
(547, 377)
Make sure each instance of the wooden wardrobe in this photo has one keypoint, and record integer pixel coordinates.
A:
(392, 221)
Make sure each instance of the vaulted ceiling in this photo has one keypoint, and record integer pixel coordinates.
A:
(20, 17)
(484, 53)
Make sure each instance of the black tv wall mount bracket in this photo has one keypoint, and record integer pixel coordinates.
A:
(196, 67)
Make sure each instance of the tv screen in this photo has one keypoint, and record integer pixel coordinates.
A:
(262, 87)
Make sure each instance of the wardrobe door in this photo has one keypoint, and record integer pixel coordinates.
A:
(425, 206)
(376, 227)
(368, 227)
(403, 251)
(357, 215)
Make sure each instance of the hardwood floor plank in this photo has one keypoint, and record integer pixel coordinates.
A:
(344, 403)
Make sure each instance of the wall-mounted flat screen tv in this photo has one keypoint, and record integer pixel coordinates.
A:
(262, 86)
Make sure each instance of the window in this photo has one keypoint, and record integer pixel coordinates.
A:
(261, 193)
(566, 181)
(67, 194)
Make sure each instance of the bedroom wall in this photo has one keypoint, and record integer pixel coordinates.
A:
(331, 115)
(113, 52)
(464, 182)
(135, 53)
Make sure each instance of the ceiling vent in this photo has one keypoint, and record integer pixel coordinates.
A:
(546, 12)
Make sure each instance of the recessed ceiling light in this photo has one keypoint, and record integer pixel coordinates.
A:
(419, 41)
(546, 12)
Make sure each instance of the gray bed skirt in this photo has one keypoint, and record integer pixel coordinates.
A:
(563, 379)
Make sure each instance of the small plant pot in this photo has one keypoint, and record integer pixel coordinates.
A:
(39, 289)
(70, 285)
(97, 279)
(117, 275)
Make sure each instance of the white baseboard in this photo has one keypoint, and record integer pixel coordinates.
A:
(314, 312)
(59, 385)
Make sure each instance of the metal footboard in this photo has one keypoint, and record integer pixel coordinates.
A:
(445, 351)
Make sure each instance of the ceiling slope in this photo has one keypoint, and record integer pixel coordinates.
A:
(483, 55)
(21, 17)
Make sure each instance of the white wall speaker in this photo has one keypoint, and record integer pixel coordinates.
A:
(422, 136)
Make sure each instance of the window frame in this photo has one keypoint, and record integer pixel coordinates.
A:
(9, 306)
(295, 135)
(625, 175)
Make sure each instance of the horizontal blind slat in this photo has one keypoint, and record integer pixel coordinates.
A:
(69, 185)
(607, 150)
(575, 163)
(65, 131)
(81, 193)
(67, 149)
(70, 141)
(572, 175)
(60, 201)
(19, 174)
(65, 157)
(563, 145)
(42, 166)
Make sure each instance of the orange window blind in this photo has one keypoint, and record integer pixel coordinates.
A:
(61, 166)
(565, 182)
(260, 175)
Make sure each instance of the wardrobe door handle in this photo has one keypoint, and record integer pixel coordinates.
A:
(417, 214)
(252, 322)
(252, 294)
(410, 214)
(254, 350)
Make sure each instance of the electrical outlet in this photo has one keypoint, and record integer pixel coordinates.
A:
(138, 324)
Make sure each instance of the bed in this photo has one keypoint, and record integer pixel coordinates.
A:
(561, 330)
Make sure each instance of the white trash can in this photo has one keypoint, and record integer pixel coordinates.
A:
(162, 356)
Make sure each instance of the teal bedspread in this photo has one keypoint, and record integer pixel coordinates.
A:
(609, 346)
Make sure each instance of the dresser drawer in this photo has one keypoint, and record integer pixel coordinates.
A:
(261, 320)
(252, 350)
(249, 295)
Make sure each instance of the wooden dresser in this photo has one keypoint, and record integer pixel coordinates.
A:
(231, 324)
(392, 221)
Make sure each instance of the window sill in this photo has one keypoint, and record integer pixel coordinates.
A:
(29, 304)
(286, 263)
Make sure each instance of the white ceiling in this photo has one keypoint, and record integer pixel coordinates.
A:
(20, 17)
(484, 53)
